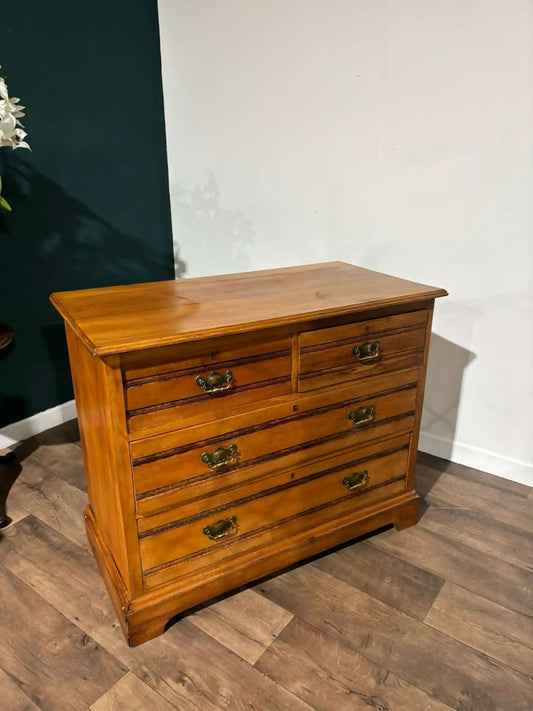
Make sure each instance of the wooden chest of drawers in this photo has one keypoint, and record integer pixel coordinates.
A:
(234, 425)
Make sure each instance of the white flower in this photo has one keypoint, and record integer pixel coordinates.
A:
(12, 106)
(12, 132)
(3, 89)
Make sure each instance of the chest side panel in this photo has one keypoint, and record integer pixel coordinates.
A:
(100, 406)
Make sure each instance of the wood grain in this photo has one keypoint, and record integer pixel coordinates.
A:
(363, 330)
(52, 499)
(16, 512)
(506, 486)
(329, 675)
(12, 695)
(259, 372)
(440, 666)
(331, 525)
(246, 623)
(128, 318)
(397, 399)
(44, 652)
(504, 506)
(131, 694)
(66, 576)
(289, 498)
(179, 474)
(188, 548)
(181, 388)
(480, 532)
(214, 354)
(99, 397)
(232, 481)
(503, 634)
(500, 581)
(64, 460)
(386, 577)
(337, 355)
(196, 672)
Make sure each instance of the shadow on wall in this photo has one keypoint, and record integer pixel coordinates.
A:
(69, 238)
(53, 242)
(220, 237)
(447, 363)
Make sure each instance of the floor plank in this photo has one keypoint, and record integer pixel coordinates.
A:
(502, 506)
(51, 499)
(329, 675)
(501, 633)
(16, 512)
(469, 474)
(12, 697)
(66, 576)
(197, 673)
(53, 662)
(64, 460)
(442, 667)
(245, 623)
(480, 532)
(386, 577)
(499, 581)
(131, 694)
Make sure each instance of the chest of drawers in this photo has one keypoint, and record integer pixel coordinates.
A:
(234, 425)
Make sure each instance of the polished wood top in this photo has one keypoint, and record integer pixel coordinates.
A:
(125, 318)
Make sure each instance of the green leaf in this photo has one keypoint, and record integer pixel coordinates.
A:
(4, 204)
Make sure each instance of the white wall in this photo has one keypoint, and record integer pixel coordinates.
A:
(392, 134)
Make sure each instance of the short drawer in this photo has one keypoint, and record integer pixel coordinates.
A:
(345, 353)
(191, 543)
(173, 469)
(181, 382)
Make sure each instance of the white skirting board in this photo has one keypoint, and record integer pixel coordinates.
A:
(35, 424)
(470, 456)
(477, 458)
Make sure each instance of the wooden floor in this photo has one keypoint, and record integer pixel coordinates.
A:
(432, 618)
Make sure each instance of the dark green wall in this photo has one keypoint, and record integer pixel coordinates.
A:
(90, 202)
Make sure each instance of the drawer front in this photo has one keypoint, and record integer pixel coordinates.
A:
(203, 382)
(220, 491)
(346, 353)
(164, 477)
(191, 543)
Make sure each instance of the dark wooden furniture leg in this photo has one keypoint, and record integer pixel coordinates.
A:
(6, 455)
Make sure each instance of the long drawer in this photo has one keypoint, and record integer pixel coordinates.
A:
(347, 353)
(198, 540)
(219, 491)
(172, 469)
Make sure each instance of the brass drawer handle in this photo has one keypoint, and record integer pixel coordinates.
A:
(362, 416)
(215, 383)
(221, 528)
(221, 457)
(367, 352)
(356, 480)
